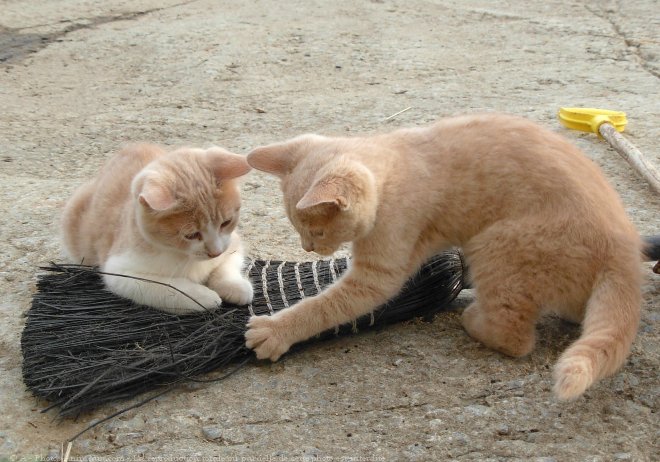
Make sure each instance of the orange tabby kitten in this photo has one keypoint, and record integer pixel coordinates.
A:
(163, 216)
(542, 232)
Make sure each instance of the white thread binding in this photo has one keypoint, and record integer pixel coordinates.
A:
(247, 276)
(280, 280)
(296, 268)
(333, 273)
(316, 283)
(316, 277)
(264, 285)
(249, 268)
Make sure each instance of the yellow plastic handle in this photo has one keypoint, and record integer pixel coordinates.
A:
(589, 119)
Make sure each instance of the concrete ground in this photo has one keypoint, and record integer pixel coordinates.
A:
(79, 78)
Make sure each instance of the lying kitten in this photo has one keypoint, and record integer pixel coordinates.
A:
(542, 232)
(163, 216)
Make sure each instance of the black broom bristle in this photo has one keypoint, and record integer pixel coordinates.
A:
(84, 346)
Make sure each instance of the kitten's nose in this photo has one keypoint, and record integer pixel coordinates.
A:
(214, 254)
(308, 247)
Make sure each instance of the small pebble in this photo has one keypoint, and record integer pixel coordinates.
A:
(478, 409)
(211, 432)
(623, 456)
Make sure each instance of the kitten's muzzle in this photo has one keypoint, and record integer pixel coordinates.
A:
(308, 247)
(320, 249)
(324, 251)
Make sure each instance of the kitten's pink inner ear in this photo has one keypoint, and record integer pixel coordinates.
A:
(227, 165)
(276, 159)
(323, 194)
(157, 197)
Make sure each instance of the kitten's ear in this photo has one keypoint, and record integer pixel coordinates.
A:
(274, 158)
(280, 158)
(156, 196)
(227, 165)
(326, 191)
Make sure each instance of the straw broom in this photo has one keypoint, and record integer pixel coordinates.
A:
(84, 346)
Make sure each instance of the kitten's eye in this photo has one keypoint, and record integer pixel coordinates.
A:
(319, 234)
(225, 223)
(193, 236)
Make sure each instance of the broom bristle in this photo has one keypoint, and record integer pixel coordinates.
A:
(84, 346)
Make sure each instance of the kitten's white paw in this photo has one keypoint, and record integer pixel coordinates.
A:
(266, 337)
(170, 299)
(237, 291)
(207, 298)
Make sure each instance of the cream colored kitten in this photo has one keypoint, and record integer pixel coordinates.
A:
(542, 232)
(164, 216)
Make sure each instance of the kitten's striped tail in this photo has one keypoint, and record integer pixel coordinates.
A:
(608, 330)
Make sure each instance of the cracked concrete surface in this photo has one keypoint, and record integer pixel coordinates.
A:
(644, 47)
(78, 78)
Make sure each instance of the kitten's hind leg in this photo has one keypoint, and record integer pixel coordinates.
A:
(510, 282)
(506, 325)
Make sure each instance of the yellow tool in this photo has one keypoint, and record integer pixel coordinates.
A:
(608, 124)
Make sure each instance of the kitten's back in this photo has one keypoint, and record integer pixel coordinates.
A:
(486, 166)
(92, 217)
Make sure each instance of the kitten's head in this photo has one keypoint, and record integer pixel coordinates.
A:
(188, 200)
(329, 198)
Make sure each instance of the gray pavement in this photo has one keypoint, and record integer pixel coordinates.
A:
(79, 78)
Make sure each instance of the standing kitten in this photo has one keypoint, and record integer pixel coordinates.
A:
(164, 216)
(542, 232)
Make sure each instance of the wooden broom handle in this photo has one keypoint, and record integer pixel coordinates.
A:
(652, 250)
(631, 154)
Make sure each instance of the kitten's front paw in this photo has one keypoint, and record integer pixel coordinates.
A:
(207, 298)
(237, 291)
(265, 336)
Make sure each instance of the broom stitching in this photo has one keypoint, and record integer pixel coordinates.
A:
(333, 274)
(264, 284)
(296, 269)
(281, 283)
(246, 275)
(316, 277)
